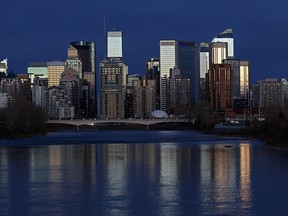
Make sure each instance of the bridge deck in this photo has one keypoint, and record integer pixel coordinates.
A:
(79, 122)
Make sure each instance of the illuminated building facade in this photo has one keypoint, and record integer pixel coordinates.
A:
(221, 87)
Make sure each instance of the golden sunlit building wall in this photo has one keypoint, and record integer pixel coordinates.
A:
(55, 68)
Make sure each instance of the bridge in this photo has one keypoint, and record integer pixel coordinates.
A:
(95, 122)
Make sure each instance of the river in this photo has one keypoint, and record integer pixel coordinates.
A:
(141, 173)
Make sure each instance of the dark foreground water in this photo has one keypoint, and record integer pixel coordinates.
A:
(141, 173)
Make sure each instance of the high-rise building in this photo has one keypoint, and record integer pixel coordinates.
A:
(24, 86)
(270, 91)
(221, 87)
(58, 105)
(114, 44)
(129, 103)
(55, 69)
(227, 37)
(235, 67)
(204, 69)
(10, 85)
(143, 97)
(153, 73)
(113, 79)
(152, 69)
(71, 84)
(218, 52)
(4, 66)
(85, 52)
(178, 91)
(39, 92)
(184, 56)
(76, 64)
(37, 69)
(112, 89)
(244, 79)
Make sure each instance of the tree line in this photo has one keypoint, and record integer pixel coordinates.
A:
(22, 118)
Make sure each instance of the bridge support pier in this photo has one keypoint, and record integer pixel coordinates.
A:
(77, 127)
(147, 127)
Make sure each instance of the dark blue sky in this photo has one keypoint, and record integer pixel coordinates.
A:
(40, 30)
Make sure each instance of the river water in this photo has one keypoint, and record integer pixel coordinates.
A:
(141, 173)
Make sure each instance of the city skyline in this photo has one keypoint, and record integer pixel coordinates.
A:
(32, 34)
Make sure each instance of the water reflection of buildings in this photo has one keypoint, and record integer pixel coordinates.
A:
(171, 173)
(245, 175)
(225, 177)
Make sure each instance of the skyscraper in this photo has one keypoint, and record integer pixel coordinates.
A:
(153, 73)
(218, 52)
(55, 69)
(184, 56)
(85, 52)
(37, 69)
(244, 79)
(227, 37)
(113, 78)
(221, 87)
(235, 67)
(70, 82)
(114, 44)
(204, 69)
(112, 89)
(4, 66)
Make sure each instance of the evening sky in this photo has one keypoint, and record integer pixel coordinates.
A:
(40, 30)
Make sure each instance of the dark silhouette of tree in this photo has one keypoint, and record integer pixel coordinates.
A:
(22, 118)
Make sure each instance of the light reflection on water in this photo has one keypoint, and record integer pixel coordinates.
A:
(169, 178)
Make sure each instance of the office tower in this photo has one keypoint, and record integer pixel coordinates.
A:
(204, 69)
(55, 69)
(138, 99)
(114, 44)
(70, 82)
(58, 104)
(10, 86)
(4, 66)
(178, 92)
(150, 89)
(235, 67)
(168, 60)
(74, 63)
(221, 87)
(39, 92)
(152, 69)
(218, 52)
(24, 86)
(153, 73)
(227, 37)
(267, 92)
(85, 52)
(112, 89)
(143, 97)
(37, 69)
(129, 109)
(184, 56)
(113, 79)
(244, 79)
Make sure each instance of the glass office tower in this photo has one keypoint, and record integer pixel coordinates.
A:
(227, 37)
(114, 44)
(182, 55)
(86, 53)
